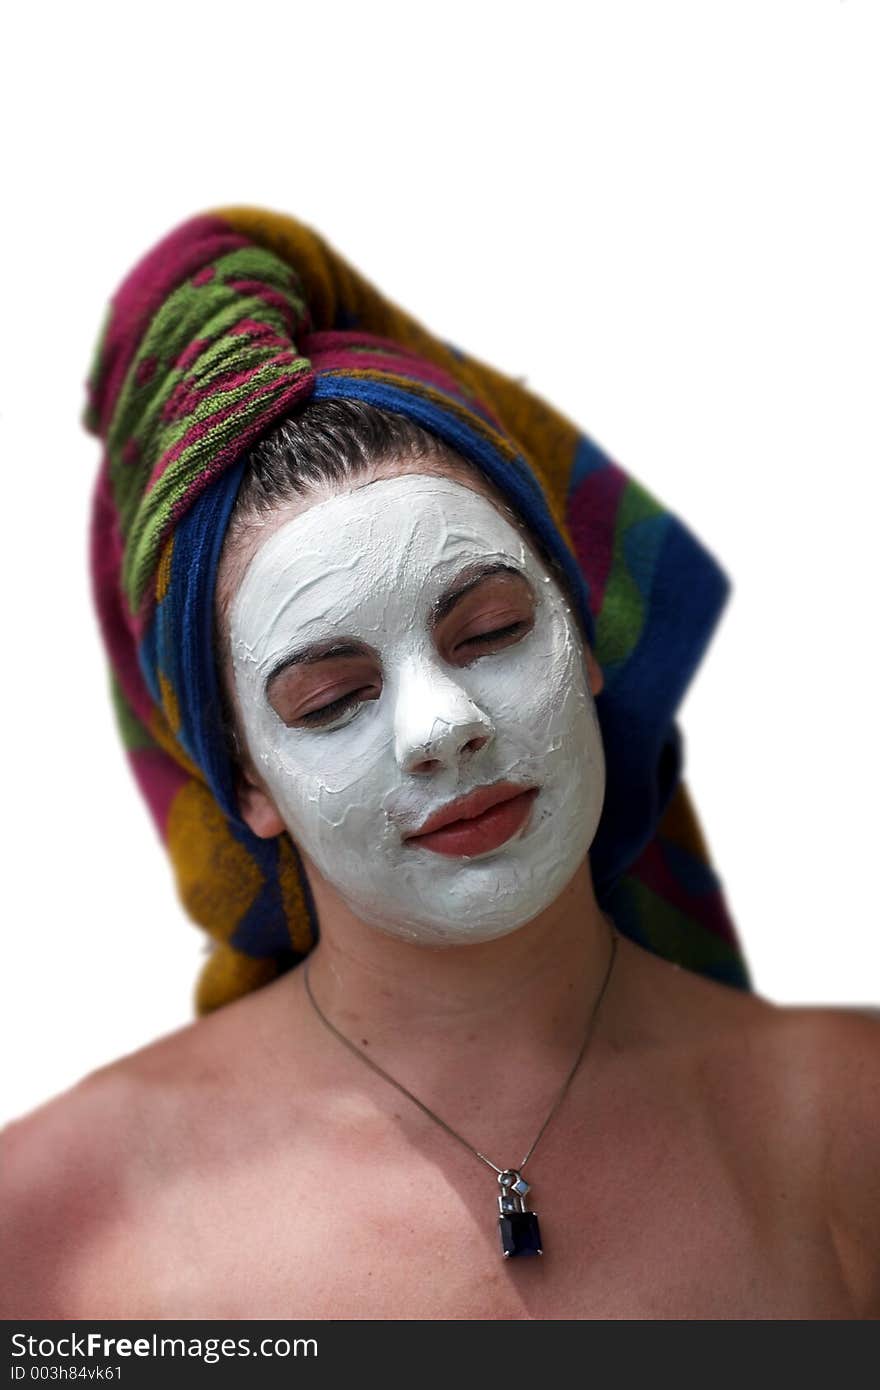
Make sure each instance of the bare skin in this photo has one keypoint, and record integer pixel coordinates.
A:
(715, 1157)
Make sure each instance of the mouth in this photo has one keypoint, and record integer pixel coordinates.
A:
(482, 821)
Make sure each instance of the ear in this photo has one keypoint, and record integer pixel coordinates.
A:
(594, 671)
(258, 810)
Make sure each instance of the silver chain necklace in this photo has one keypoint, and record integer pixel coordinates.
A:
(518, 1227)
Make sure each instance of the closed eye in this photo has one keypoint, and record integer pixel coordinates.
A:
(343, 676)
(337, 709)
(499, 636)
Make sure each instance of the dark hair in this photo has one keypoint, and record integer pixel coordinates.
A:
(334, 442)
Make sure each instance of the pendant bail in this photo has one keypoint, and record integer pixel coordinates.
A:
(518, 1227)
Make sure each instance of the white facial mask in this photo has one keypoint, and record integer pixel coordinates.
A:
(369, 565)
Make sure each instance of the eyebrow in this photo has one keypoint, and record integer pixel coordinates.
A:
(314, 652)
(331, 647)
(473, 575)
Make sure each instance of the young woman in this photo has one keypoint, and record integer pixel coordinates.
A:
(397, 656)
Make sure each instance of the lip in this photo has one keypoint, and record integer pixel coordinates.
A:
(477, 823)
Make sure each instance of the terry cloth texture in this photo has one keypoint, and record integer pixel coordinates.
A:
(237, 319)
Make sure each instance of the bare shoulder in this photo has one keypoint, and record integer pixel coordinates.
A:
(827, 1062)
(822, 1062)
(819, 1044)
(56, 1190)
(835, 1055)
(797, 1085)
(78, 1174)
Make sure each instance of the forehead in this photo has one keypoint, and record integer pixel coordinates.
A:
(391, 531)
(393, 542)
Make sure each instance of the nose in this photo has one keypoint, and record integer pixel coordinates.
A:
(436, 723)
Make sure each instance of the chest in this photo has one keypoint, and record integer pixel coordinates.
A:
(668, 1227)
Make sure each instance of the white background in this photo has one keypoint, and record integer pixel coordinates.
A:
(664, 215)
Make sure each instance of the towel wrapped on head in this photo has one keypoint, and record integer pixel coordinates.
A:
(233, 322)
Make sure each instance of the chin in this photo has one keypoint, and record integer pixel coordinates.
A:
(451, 936)
(446, 934)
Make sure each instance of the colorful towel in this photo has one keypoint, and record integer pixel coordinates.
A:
(237, 319)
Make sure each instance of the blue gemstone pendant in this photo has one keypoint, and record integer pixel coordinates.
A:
(520, 1234)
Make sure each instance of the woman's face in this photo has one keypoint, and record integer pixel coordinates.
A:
(396, 649)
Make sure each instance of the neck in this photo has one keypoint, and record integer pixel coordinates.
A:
(442, 1018)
